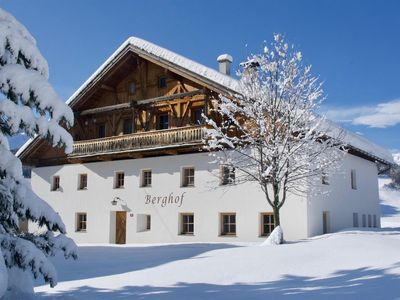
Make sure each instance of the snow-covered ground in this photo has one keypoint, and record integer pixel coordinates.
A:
(353, 264)
(390, 204)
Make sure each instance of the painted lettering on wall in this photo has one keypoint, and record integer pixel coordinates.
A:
(165, 200)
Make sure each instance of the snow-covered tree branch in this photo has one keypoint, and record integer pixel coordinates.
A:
(28, 105)
(270, 132)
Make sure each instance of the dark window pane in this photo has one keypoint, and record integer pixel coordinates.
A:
(101, 131)
(128, 126)
(226, 218)
(132, 88)
(226, 228)
(197, 116)
(162, 82)
(163, 122)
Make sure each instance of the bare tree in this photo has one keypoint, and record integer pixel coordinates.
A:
(269, 132)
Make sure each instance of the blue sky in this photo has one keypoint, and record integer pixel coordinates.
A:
(354, 46)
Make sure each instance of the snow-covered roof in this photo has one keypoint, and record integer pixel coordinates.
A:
(208, 75)
(369, 148)
(163, 55)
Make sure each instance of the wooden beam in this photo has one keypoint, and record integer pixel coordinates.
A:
(107, 87)
(128, 105)
(171, 151)
(103, 109)
(170, 97)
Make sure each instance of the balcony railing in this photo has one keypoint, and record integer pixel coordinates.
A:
(140, 141)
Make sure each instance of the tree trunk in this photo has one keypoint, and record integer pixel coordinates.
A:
(276, 216)
(276, 204)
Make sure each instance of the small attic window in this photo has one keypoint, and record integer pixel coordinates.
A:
(132, 88)
(162, 82)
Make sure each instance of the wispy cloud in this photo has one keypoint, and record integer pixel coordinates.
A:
(382, 115)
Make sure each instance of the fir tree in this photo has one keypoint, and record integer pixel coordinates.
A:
(28, 105)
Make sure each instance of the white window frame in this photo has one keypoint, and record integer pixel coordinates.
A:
(55, 187)
(143, 178)
(116, 180)
(80, 176)
(184, 181)
(226, 177)
(79, 222)
(325, 178)
(356, 223)
(353, 179)
(222, 231)
(187, 224)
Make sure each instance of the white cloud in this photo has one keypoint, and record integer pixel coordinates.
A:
(382, 115)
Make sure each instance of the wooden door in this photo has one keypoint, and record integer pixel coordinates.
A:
(120, 227)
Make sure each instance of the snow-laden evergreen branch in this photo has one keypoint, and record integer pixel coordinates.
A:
(28, 105)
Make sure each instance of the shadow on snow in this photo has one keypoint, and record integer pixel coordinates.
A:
(360, 283)
(117, 260)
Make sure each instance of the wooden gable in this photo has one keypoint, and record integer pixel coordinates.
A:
(133, 89)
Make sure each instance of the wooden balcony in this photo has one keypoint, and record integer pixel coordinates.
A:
(135, 142)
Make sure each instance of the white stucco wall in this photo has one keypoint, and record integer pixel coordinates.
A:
(206, 201)
(342, 201)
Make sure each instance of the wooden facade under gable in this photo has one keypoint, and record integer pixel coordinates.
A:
(137, 109)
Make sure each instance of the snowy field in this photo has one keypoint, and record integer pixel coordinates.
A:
(353, 264)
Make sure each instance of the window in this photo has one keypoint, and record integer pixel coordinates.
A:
(101, 131)
(163, 121)
(228, 224)
(187, 177)
(369, 221)
(132, 88)
(325, 179)
(353, 179)
(146, 178)
(326, 223)
(267, 223)
(119, 180)
(375, 223)
(27, 171)
(143, 222)
(187, 223)
(197, 116)
(364, 220)
(148, 222)
(55, 183)
(355, 219)
(82, 185)
(128, 126)
(227, 175)
(162, 82)
(81, 222)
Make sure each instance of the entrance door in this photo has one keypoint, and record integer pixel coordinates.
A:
(325, 222)
(120, 227)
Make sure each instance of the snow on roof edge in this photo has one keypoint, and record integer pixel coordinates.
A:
(356, 141)
(24, 146)
(98, 71)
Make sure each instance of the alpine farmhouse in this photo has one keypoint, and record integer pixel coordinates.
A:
(137, 173)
